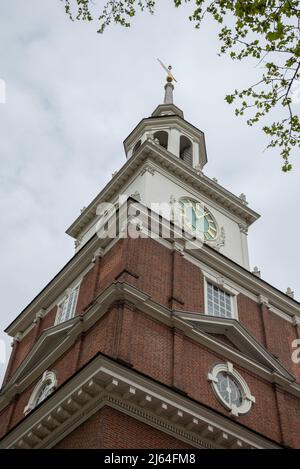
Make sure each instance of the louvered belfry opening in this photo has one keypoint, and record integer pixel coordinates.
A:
(163, 138)
(186, 150)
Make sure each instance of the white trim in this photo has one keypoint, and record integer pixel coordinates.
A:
(51, 345)
(205, 208)
(64, 302)
(49, 378)
(75, 269)
(60, 338)
(248, 284)
(105, 382)
(247, 397)
(237, 289)
(249, 353)
(151, 152)
(169, 123)
(222, 284)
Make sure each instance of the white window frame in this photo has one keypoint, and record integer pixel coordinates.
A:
(65, 299)
(248, 398)
(220, 283)
(48, 377)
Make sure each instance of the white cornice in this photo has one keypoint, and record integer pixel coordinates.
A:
(279, 302)
(168, 121)
(240, 287)
(192, 190)
(204, 254)
(103, 382)
(76, 266)
(167, 108)
(245, 342)
(249, 281)
(64, 335)
(174, 165)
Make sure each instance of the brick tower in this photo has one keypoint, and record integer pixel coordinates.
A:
(156, 334)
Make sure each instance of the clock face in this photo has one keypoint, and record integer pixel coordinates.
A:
(198, 219)
(229, 389)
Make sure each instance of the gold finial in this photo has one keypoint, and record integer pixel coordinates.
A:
(170, 76)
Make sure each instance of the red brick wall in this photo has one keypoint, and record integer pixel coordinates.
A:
(47, 321)
(110, 429)
(157, 350)
(112, 264)
(64, 367)
(289, 409)
(249, 314)
(279, 337)
(22, 349)
(88, 288)
(152, 348)
(4, 419)
(163, 274)
(199, 361)
(94, 340)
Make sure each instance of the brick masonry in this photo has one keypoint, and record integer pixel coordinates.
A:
(110, 429)
(159, 351)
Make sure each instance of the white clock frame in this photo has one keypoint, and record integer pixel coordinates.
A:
(248, 398)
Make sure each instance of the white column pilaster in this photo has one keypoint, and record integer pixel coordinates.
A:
(174, 141)
(244, 242)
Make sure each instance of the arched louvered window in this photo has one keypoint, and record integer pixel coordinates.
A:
(162, 137)
(186, 150)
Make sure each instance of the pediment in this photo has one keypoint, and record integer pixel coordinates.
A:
(232, 335)
(50, 340)
(223, 339)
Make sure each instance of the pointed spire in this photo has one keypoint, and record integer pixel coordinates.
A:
(169, 87)
(168, 108)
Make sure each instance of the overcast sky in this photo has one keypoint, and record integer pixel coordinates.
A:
(72, 98)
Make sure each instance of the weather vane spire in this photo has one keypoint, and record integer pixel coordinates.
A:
(169, 87)
(170, 76)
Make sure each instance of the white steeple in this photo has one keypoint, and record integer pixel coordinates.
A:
(168, 128)
(165, 159)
